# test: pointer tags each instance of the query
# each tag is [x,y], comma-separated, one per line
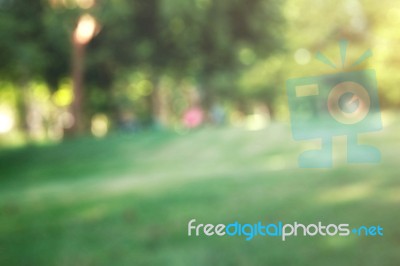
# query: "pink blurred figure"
[193,117]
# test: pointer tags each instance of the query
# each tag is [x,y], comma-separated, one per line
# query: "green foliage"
[33,43]
[197,38]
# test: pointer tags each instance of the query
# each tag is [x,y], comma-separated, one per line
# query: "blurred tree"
[34,42]
[217,39]
[22,57]
[21,37]
[210,41]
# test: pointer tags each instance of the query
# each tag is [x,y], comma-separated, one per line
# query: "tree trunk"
[77,81]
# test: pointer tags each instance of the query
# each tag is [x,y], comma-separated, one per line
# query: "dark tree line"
[209,41]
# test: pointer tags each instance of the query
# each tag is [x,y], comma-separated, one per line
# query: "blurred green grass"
[127,199]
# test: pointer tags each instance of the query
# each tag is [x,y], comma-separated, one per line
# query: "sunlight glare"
[6,122]
[85,30]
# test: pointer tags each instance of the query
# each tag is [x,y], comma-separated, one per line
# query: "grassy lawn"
[127,199]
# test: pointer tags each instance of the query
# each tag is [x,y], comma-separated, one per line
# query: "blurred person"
[218,114]
[193,117]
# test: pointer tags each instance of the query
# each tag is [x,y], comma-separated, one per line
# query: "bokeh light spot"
[6,121]
[85,4]
[85,30]
[100,124]
[302,56]
[63,96]
[145,87]
[246,56]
